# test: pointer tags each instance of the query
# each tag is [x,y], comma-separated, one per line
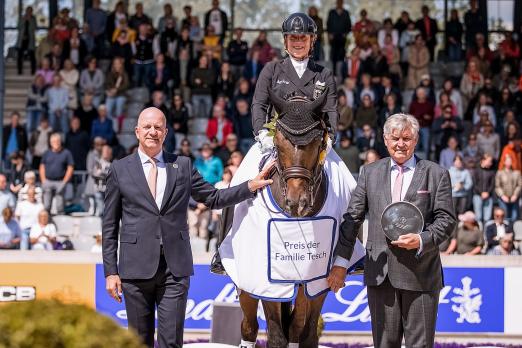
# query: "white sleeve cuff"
[341,262]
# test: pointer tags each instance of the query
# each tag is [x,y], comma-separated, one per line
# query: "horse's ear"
[278,103]
[317,105]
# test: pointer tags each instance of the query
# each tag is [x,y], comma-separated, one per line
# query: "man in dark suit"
[404,276]
[149,193]
[338,26]
[497,228]
[218,19]
[429,29]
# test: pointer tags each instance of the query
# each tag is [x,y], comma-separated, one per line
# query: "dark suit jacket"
[405,269]
[282,79]
[21,137]
[491,233]
[142,224]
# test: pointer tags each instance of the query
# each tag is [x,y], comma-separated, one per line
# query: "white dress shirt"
[161,182]
[299,66]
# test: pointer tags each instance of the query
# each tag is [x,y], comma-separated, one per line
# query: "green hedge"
[53,324]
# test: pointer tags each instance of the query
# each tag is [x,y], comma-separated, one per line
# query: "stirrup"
[216,266]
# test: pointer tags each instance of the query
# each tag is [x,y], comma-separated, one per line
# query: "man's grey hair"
[401,122]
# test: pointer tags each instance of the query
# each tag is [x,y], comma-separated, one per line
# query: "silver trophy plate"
[401,218]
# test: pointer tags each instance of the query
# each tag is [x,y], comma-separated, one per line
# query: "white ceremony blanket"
[268,254]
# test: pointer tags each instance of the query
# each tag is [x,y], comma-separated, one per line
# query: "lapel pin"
[174,165]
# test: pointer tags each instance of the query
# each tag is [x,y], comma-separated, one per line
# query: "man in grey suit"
[404,276]
[149,193]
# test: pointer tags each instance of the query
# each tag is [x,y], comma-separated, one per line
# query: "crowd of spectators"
[84,77]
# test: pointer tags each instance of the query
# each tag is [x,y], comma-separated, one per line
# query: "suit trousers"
[164,291]
[397,312]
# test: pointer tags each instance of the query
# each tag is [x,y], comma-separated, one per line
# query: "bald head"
[151,131]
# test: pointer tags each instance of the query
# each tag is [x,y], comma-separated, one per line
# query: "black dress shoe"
[216,266]
[357,269]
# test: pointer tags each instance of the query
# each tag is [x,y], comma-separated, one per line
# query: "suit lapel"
[172,171]
[308,74]
[418,177]
[137,174]
[387,181]
[291,73]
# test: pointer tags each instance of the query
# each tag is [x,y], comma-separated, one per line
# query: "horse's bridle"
[297,172]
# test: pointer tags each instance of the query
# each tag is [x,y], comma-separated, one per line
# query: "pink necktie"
[397,186]
[153,177]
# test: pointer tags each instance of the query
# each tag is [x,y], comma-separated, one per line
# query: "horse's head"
[300,141]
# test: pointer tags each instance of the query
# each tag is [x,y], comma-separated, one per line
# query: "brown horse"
[299,189]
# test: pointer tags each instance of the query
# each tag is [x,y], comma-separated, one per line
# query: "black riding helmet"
[299,23]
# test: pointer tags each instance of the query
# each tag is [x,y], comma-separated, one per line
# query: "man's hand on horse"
[261,180]
[336,278]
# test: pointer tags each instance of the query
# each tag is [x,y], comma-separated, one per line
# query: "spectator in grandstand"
[165,39]
[338,26]
[14,137]
[514,151]
[75,49]
[471,152]
[26,40]
[77,141]
[178,115]
[195,30]
[368,141]
[443,100]
[10,232]
[86,113]
[454,95]
[198,218]
[512,131]
[139,17]
[115,17]
[370,156]
[242,120]
[447,155]
[345,125]
[393,56]
[429,29]
[504,103]
[318,53]
[209,166]
[454,31]
[70,77]
[505,246]
[237,51]
[483,178]
[261,44]
[231,145]
[235,160]
[462,183]
[39,142]
[55,57]
[92,158]
[27,215]
[36,106]
[488,141]
[349,90]
[202,81]
[402,23]
[99,174]
[226,82]
[96,19]
[508,185]
[58,99]
[423,109]
[349,153]
[168,15]
[388,29]
[253,67]
[471,82]
[418,62]
[46,71]
[468,235]
[160,77]
[116,85]
[217,18]
[351,65]
[497,228]
[122,47]
[219,126]
[18,170]
[30,182]
[364,28]
[476,23]
[92,81]
[365,115]
[445,127]
[103,126]
[43,233]
[7,199]
[376,64]
[390,108]
[211,43]
[244,91]
[143,56]
[56,170]
[484,107]
[184,150]
[407,40]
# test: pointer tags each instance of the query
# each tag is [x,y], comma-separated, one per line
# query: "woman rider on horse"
[296,75]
